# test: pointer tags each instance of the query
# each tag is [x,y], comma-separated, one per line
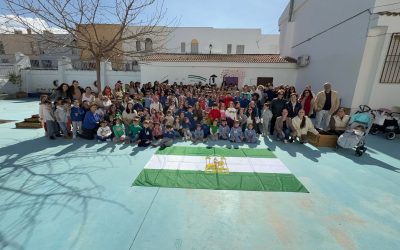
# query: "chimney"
[29,31]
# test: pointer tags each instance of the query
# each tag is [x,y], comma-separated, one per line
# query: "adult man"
[277,106]
[326,103]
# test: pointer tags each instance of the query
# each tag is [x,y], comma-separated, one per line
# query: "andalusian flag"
[218,168]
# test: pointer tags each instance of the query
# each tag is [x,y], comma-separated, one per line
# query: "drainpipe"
[291,6]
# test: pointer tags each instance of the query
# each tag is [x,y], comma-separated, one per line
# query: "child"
[157,131]
[236,134]
[62,118]
[169,118]
[145,135]
[214,113]
[134,130]
[206,128]
[177,127]
[186,129]
[119,130]
[242,117]
[266,119]
[104,132]
[223,131]
[42,105]
[49,119]
[169,137]
[198,134]
[250,134]
[77,114]
[214,130]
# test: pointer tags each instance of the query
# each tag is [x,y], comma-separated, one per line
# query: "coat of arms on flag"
[218,168]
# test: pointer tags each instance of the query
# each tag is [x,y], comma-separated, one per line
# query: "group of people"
[157,114]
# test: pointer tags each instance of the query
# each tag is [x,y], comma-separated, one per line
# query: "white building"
[355,44]
[203,40]
[215,68]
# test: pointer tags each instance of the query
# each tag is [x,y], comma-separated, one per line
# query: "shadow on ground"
[31,181]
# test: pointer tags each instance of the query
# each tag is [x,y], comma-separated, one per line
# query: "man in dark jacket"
[293,106]
[277,105]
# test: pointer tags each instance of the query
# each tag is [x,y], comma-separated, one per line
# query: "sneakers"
[108,140]
[291,140]
[285,141]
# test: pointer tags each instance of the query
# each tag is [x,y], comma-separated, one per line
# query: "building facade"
[351,44]
[42,55]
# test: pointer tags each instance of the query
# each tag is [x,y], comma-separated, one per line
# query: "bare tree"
[88,24]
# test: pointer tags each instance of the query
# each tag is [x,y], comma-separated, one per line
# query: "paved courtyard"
[66,194]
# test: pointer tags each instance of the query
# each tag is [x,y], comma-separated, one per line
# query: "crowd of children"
[158,114]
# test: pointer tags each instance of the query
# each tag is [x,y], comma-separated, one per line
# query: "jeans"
[76,126]
[285,134]
[63,127]
[103,138]
[51,128]
[322,119]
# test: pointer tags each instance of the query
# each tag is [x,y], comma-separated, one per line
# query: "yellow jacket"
[320,101]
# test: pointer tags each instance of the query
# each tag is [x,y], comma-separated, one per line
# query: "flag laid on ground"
[218,168]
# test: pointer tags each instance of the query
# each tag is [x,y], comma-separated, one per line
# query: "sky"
[263,14]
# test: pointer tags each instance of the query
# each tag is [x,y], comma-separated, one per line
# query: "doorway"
[264,80]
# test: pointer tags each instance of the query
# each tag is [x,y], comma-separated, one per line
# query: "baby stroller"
[357,130]
[386,122]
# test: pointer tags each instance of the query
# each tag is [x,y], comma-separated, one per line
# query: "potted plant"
[16,79]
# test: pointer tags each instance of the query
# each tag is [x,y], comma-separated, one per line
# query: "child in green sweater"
[214,130]
[119,131]
[134,130]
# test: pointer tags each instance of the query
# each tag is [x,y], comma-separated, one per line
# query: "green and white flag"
[218,168]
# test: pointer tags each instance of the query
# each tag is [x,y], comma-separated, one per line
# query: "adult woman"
[339,122]
[283,127]
[198,111]
[293,106]
[88,96]
[302,124]
[112,112]
[252,118]
[307,102]
[62,92]
[76,90]
[128,115]
[90,123]
[118,90]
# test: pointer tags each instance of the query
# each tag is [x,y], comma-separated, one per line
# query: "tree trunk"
[98,80]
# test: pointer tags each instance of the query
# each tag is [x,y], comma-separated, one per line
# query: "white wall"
[42,80]
[284,73]
[336,55]
[254,41]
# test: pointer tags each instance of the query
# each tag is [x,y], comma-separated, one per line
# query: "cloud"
[10,23]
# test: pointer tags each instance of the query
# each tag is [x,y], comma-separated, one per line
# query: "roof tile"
[235,58]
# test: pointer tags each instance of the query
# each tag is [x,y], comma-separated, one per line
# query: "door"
[231,81]
[264,80]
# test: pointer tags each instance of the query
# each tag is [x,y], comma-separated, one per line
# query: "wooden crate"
[322,140]
[28,125]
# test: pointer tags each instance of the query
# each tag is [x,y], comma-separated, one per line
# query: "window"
[138,46]
[240,49]
[47,64]
[183,47]
[391,68]
[229,49]
[194,46]
[148,44]
[135,66]
[35,64]
[2,51]
[5,60]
